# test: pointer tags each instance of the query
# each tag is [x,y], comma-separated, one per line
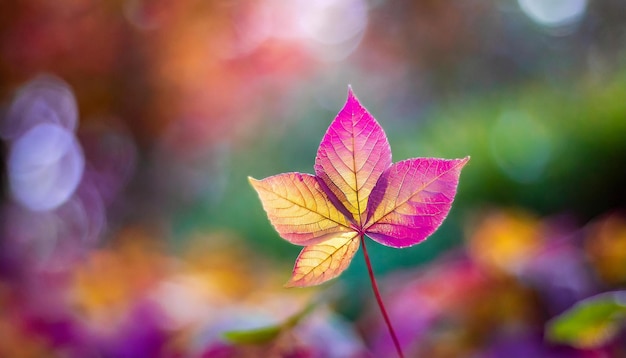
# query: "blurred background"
[129,128]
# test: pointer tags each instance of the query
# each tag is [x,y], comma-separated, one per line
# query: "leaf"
[590,323]
[253,336]
[352,155]
[356,190]
[268,333]
[319,263]
[299,209]
[411,200]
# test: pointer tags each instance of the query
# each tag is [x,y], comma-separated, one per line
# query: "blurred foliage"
[569,143]
[591,322]
[269,333]
[465,303]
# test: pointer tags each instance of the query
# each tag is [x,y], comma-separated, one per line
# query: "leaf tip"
[299,281]
[350,92]
[291,284]
[256,184]
[459,163]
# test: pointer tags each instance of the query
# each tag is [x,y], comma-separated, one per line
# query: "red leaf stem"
[379,299]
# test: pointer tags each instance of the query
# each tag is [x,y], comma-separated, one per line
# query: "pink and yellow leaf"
[353,154]
[319,263]
[299,209]
[411,200]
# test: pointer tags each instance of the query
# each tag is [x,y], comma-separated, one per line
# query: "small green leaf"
[590,323]
[266,334]
[254,336]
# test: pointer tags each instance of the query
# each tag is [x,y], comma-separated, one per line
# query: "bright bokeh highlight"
[45,166]
[554,13]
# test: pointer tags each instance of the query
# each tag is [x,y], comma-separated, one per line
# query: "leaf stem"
[379,299]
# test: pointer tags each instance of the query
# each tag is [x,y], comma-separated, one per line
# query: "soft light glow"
[45,166]
[45,99]
[332,22]
[331,30]
[554,13]
[334,28]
